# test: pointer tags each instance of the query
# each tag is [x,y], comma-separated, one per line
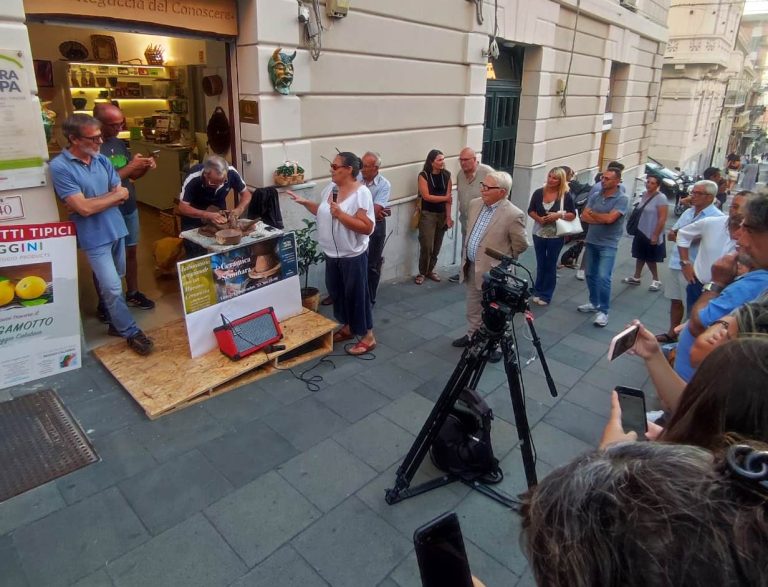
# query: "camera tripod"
[467,375]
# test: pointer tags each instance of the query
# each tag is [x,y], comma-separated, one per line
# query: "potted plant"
[289,173]
[308,254]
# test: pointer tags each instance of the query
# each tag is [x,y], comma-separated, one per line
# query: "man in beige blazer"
[496,223]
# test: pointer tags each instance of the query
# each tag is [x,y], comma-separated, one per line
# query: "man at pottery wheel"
[208,185]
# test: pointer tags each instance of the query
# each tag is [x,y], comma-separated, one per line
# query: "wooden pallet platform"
[169,379]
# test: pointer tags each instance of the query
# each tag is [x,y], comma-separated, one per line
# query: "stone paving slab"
[274,484]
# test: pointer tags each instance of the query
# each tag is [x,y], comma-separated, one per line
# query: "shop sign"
[11,208]
[223,287]
[21,160]
[204,16]
[39,312]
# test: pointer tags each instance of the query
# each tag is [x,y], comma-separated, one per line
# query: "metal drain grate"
[39,441]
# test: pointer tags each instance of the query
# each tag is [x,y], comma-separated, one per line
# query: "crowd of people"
[690,506]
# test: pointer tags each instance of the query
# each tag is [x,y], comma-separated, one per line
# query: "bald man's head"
[468,160]
[111,118]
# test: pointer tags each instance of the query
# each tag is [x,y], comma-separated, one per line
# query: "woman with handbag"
[435,195]
[648,247]
[549,204]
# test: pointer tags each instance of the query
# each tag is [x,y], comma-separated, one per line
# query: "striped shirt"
[478,230]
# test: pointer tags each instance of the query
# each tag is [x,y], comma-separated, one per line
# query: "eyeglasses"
[334,167]
[466,158]
[94,139]
[699,193]
[484,186]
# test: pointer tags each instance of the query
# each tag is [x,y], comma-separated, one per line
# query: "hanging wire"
[564,97]
[479,11]
[315,42]
[493,45]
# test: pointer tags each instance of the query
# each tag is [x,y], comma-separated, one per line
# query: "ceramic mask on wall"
[281,71]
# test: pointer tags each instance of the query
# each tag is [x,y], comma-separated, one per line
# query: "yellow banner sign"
[205,16]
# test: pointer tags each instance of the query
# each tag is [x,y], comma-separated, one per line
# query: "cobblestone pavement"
[273,485]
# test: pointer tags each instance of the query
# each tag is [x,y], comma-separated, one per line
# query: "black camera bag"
[463,445]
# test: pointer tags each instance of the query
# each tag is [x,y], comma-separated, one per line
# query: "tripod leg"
[512,369]
[472,361]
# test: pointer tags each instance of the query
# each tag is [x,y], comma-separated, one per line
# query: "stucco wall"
[402,77]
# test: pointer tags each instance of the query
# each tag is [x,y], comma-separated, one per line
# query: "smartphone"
[632,402]
[440,553]
[155,154]
[622,342]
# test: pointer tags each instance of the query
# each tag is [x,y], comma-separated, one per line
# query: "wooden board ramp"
[169,379]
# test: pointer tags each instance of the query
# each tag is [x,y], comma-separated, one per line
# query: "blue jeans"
[108,265]
[547,251]
[600,260]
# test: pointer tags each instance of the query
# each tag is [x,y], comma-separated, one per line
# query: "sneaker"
[538,301]
[655,286]
[139,300]
[631,281]
[601,319]
[454,278]
[102,314]
[461,342]
[587,308]
[580,274]
[140,343]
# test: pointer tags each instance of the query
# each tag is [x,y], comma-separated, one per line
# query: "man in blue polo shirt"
[605,214]
[90,187]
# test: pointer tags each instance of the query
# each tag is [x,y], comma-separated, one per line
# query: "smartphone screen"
[440,553]
[632,402]
[155,154]
[622,342]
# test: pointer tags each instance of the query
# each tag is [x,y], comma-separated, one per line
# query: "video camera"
[504,293]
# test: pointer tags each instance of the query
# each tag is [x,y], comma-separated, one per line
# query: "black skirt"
[643,250]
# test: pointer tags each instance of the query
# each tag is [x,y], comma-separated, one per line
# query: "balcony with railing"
[698,49]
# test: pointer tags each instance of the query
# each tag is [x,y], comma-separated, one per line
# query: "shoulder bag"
[416,216]
[634,218]
[567,227]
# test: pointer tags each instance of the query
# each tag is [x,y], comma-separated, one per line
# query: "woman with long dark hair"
[435,192]
[549,203]
[345,220]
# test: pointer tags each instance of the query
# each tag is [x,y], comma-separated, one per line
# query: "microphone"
[335,193]
[499,256]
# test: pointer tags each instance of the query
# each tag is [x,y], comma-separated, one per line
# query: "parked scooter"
[683,190]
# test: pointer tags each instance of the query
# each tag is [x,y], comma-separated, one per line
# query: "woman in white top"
[345,220]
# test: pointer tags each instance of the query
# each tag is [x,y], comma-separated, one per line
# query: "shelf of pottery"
[145,93]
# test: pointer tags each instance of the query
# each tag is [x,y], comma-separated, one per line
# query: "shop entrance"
[156,80]
[502,109]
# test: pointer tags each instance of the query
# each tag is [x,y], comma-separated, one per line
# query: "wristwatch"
[713,287]
[685,263]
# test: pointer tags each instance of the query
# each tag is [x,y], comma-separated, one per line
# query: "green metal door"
[502,108]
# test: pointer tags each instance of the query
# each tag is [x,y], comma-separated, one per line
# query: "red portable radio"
[244,336]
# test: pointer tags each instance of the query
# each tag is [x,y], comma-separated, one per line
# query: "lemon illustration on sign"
[6,292]
[30,287]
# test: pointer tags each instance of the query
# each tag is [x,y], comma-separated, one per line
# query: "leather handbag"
[568,227]
[416,216]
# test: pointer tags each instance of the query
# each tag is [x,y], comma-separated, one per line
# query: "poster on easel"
[222,287]
[39,310]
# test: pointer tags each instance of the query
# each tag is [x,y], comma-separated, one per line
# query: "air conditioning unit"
[629,4]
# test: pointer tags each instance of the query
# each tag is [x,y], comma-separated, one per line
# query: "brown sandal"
[419,280]
[434,276]
[341,336]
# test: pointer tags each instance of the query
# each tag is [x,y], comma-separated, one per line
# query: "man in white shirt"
[715,235]
[380,189]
